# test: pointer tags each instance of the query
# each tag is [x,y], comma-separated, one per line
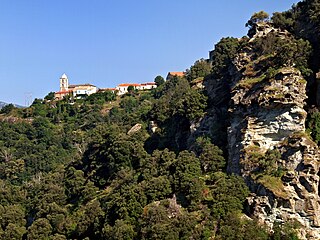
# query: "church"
[75,91]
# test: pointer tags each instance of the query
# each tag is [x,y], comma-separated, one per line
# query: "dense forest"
[132,167]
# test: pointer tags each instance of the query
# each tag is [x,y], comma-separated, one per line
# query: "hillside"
[230,150]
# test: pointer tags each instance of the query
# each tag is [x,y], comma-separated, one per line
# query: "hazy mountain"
[2,104]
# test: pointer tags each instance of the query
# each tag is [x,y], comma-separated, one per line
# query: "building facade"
[81,90]
[123,88]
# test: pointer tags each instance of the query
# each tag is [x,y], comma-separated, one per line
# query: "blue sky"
[107,42]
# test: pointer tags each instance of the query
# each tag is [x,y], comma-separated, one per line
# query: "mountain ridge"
[2,104]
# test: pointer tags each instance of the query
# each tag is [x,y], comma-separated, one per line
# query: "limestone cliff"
[264,112]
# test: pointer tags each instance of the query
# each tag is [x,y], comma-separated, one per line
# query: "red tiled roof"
[178,74]
[79,85]
[129,84]
[63,92]
[148,83]
[106,89]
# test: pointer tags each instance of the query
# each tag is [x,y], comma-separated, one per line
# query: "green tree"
[130,89]
[40,229]
[222,56]
[14,232]
[261,16]
[159,80]
[49,96]
[200,69]
[7,108]
[211,157]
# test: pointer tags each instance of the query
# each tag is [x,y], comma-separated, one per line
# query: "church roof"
[81,85]
[64,76]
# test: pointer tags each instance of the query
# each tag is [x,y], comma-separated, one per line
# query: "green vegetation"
[223,54]
[159,80]
[200,69]
[249,82]
[257,17]
[70,170]
[313,125]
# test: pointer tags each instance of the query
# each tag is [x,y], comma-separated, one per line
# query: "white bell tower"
[64,83]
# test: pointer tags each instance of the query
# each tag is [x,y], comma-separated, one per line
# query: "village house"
[174,74]
[114,90]
[80,90]
[123,88]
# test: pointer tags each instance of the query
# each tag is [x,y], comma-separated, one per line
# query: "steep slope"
[267,144]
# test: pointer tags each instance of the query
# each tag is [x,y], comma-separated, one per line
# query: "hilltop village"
[79,90]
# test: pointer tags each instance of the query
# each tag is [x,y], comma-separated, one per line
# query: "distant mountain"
[2,104]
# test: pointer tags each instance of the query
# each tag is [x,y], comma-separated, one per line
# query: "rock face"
[267,113]
[252,112]
[299,197]
[134,129]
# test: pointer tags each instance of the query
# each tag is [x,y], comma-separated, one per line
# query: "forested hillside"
[182,161]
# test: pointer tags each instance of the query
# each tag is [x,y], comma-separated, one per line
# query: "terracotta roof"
[148,83]
[106,89]
[129,84]
[178,74]
[80,85]
[63,92]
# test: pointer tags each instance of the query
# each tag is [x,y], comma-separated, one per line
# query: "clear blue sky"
[107,42]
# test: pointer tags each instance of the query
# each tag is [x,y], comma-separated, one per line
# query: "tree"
[200,69]
[261,16]
[222,56]
[159,80]
[130,89]
[40,229]
[50,96]
[211,157]
[7,108]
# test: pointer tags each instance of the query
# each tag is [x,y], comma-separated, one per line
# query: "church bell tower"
[64,83]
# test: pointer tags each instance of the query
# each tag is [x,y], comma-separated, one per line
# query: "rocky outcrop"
[256,108]
[298,200]
[267,112]
[135,129]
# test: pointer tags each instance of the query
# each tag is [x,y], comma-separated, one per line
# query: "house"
[75,91]
[147,86]
[82,89]
[175,74]
[123,88]
[79,90]
[113,90]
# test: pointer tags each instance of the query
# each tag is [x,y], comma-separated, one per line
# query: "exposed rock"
[153,126]
[261,29]
[11,119]
[251,112]
[268,113]
[300,159]
[135,129]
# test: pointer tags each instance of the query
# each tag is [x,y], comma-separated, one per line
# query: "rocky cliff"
[262,110]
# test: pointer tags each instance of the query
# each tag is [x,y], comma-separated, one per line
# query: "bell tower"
[64,83]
